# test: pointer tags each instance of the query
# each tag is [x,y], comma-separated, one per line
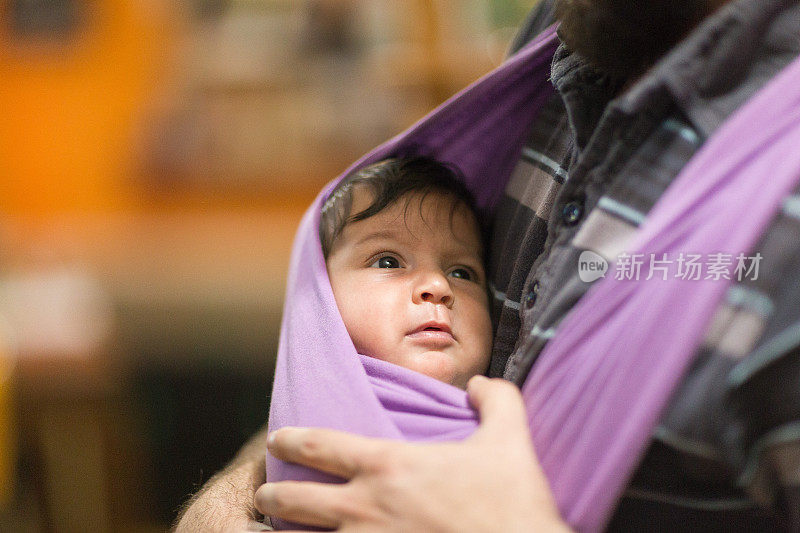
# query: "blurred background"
[155,158]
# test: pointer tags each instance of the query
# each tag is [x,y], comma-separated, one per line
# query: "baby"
[404,255]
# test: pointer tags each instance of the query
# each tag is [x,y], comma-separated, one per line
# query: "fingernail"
[257,526]
[474,380]
[264,497]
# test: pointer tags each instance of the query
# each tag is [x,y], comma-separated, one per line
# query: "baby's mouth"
[435,334]
[433,325]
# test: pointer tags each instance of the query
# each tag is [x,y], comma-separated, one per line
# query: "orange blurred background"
[155,158]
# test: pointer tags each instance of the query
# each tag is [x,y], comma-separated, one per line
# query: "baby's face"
[411,287]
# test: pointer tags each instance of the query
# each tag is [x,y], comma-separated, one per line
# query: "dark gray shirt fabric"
[726,453]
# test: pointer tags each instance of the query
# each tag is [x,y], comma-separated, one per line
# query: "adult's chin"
[624,38]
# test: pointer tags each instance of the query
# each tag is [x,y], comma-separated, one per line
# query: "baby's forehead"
[418,217]
[432,208]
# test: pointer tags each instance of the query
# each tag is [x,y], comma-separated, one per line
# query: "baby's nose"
[435,289]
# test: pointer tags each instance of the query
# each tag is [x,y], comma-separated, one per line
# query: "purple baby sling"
[597,390]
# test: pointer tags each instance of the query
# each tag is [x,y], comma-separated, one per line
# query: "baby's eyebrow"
[386,234]
[461,253]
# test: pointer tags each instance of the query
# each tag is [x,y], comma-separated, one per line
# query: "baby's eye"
[461,273]
[387,261]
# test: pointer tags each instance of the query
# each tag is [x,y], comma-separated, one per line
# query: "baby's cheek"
[366,337]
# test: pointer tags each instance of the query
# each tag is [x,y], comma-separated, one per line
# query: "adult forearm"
[225,502]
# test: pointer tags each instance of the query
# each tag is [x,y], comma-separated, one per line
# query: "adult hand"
[491,481]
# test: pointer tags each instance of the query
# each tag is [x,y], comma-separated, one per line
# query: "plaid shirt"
[726,454]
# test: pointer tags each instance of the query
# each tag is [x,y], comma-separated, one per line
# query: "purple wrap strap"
[596,392]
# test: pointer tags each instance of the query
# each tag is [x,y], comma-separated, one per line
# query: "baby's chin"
[438,365]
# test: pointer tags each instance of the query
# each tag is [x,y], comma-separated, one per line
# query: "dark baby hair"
[388,181]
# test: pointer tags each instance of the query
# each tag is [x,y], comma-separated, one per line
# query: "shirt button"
[530,296]
[572,212]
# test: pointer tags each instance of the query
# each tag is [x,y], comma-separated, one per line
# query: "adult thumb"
[500,408]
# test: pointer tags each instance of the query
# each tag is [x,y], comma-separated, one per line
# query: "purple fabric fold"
[596,392]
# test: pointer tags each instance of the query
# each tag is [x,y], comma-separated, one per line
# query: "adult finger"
[335,452]
[250,525]
[312,504]
[500,407]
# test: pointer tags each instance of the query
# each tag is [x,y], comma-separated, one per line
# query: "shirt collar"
[708,75]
